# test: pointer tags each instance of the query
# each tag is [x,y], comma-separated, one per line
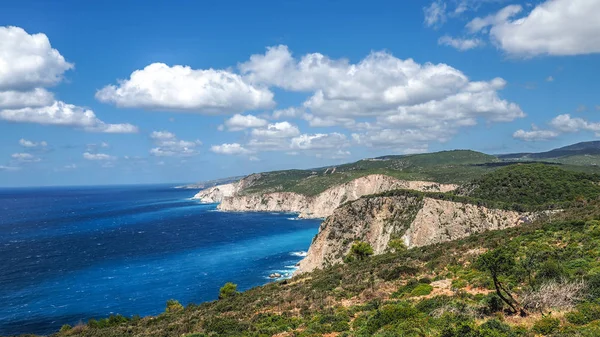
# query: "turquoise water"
[71,254]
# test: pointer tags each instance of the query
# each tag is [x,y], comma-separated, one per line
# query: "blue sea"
[71,254]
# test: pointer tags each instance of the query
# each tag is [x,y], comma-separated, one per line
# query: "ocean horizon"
[74,253]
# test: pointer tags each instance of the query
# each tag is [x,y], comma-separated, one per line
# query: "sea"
[70,254]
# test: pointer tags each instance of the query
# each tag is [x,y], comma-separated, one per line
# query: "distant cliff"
[321,205]
[411,219]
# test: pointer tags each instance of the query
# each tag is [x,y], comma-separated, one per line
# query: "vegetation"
[228,290]
[442,290]
[534,184]
[361,250]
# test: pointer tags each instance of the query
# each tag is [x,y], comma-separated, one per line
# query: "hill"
[456,166]
[534,184]
[584,153]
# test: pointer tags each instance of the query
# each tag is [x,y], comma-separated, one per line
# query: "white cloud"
[240,122]
[460,44]
[167,145]
[291,112]
[277,130]
[559,124]
[566,123]
[554,27]
[25,158]
[60,113]
[549,79]
[319,141]
[435,14]
[379,90]
[70,167]
[535,135]
[98,156]
[181,88]
[30,144]
[500,17]
[28,61]
[37,97]
[9,168]
[230,149]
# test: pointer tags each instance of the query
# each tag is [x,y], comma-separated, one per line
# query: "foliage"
[546,325]
[361,250]
[174,306]
[534,184]
[228,290]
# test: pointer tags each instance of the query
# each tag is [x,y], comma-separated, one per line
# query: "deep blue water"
[71,254]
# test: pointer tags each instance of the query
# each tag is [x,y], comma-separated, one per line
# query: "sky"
[131,92]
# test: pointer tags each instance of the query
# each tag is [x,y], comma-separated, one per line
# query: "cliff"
[416,221]
[323,204]
[217,193]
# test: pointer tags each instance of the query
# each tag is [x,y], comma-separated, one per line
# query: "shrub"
[173,306]
[557,295]
[65,328]
[546,325]
[228,290]
[584,314]
[421,290]
[361,250]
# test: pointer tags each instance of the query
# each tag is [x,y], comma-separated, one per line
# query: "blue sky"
[125,92]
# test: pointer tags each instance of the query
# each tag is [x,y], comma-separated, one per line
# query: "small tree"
[174,306]
[361,250]
[228,290]
[500,263]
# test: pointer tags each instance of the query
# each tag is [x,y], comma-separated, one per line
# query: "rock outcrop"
[411,219]
[217,193]
[323,204]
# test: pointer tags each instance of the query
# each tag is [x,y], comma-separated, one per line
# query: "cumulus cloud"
[33,62]
[28,64]
[181,88]
[60,113]
[380,92]
[460,44]
[230,149]
[559,125]
[566,123]
[37,97]
[554,27]
[24,158]
[167,145]
[319,141]
[535,135]
[291,112]
[277,130]
[98,156]
[31,144]
[435,14]
[240,122]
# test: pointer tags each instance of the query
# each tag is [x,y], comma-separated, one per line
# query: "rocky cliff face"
[323,204]
[414,220]
[217,193]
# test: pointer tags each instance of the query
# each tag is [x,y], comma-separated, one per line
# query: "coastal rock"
[275,275]
[416,221]
[217,193]
[323,204]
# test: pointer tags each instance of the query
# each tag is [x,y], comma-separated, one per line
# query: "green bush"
[585,313]
[174,306]
[228,290]
[65,328]
[361,250]
[421,290]
[546,325]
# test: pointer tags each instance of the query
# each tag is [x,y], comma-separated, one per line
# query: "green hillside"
[550,269]
[534,184]
[445,167]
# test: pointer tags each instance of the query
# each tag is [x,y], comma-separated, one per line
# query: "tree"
[361,250]
[500,263]
[228,290]
[174,306]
